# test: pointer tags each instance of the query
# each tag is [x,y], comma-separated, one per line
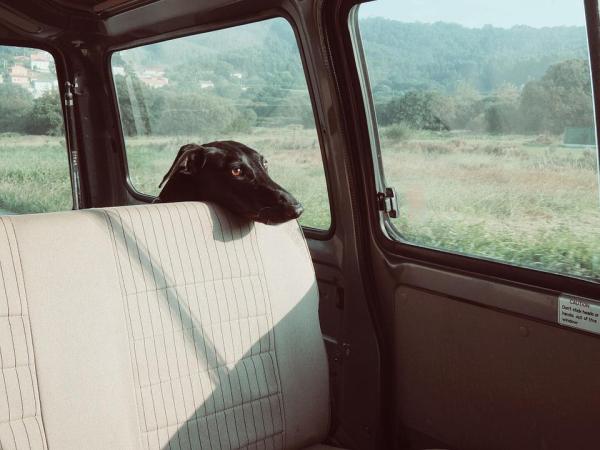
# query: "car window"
[245,84]
[34,169]
[486,126]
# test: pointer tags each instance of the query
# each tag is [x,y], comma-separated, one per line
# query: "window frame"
[310,232]
[62,71]
[390,240]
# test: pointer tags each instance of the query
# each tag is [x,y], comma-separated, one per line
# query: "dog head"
[232,175]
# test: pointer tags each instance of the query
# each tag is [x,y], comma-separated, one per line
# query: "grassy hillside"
[404,56]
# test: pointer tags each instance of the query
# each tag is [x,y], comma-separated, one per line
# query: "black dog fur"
[232,175]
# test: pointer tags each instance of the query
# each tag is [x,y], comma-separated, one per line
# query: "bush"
[15,107]
[192,113]
[46,115]
[421,110]
[398,132]
[243,122]
[501,118]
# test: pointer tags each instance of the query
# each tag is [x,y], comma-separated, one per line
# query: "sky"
[477,13]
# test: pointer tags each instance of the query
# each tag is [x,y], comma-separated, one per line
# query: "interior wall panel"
[477,378]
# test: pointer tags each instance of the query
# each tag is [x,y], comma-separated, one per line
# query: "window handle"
[388,202]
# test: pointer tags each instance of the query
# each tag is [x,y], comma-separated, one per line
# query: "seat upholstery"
[20,418]
[158,326]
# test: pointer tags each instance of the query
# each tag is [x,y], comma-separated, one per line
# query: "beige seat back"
[159,326]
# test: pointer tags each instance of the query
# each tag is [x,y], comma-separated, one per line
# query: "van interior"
[440,291]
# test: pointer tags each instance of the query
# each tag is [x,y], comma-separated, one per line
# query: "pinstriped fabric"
[200,328]
[20,418]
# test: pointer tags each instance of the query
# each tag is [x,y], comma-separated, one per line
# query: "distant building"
[40,87]
[153,72]
[40,62]
[118,70]
[153,77]
[154,82]
[206,84]
[19,75]
[237,75]
[579,137]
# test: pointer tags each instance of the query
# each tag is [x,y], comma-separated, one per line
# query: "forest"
[423,76]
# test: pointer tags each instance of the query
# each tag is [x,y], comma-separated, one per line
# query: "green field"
[34,174]
[524,200]
[521,199]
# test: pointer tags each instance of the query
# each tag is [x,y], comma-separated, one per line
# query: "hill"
[406,56]
[401,56]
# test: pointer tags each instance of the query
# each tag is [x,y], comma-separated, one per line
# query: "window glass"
[244,84]
[486,125]
[34,170]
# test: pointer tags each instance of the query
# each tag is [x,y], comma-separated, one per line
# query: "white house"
[40,62]
[154,77]
[154,82]
[19,75]
[40,87]
[118,70]
[206,84]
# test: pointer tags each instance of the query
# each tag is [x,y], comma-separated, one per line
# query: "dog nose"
[298,209]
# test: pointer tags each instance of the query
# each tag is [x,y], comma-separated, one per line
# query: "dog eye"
[236,171]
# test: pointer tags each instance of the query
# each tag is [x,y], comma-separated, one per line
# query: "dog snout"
[294,211]
[298,209]
[284,198]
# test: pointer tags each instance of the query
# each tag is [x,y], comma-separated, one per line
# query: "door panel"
[470,315]
[331,318]
[476,377]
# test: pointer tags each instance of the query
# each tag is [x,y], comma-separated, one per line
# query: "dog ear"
[189,160]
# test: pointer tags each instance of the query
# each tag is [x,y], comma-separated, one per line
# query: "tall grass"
[524,200]
[34,174]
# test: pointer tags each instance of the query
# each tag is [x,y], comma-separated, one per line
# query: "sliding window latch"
[388,202]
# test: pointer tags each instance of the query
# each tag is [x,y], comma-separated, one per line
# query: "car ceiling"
[117,22]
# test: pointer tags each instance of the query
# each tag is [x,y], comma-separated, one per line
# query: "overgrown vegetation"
[519,199]
[471,122]
[561,98]
[34,174]
[21,113]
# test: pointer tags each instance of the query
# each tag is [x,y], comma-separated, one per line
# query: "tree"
[46,116]
[192,113]
[467,105]
[501,117]
[419,110]
[15,106]
[562,98]
[502,110]
[243,121]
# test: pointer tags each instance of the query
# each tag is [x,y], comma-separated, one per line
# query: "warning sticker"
[579,313]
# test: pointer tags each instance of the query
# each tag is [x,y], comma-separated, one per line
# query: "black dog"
[232,175]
